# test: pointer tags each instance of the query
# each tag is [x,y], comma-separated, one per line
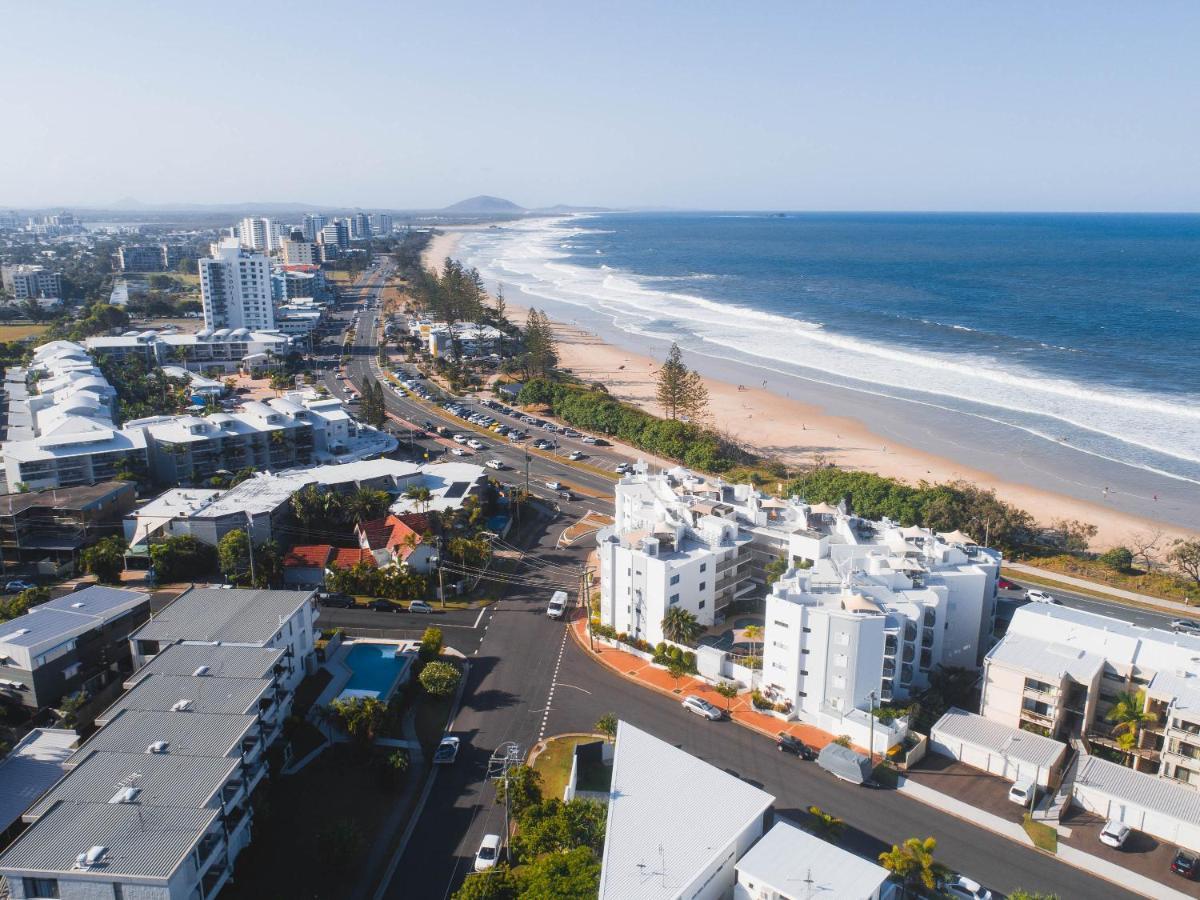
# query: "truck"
[557,606]
[846,764]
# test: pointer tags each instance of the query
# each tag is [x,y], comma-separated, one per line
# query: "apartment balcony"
[215,879]
[1041,693]
[252,751]
[233,795]
[1037,718]
[210,850]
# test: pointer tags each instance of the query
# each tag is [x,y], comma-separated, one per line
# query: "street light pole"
[871,745]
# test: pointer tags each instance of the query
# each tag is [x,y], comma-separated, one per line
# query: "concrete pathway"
[1098,587]
[1094,865]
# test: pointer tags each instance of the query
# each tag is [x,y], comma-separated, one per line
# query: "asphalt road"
[517,654]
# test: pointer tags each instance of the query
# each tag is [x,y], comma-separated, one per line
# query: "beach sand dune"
[797,434]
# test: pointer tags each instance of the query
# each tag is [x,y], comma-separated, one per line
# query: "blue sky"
[1003,106]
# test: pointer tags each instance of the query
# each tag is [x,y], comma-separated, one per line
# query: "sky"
[1088,106]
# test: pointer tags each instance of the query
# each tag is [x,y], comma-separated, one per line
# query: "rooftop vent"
[200,672]
[126,795]
[93,857]
[78,605]
[182,706]
[158,747]
[15,634]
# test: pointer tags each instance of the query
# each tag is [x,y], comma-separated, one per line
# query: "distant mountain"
[483,205]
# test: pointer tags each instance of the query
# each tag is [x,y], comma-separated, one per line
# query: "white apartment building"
[381,224]
[1059,671]
[28,282]
[313,223]
[262,234]
[299,252]
[223,348]
[235,287]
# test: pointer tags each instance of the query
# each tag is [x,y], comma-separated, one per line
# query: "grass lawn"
[554,763]
[1043,836]
[19,332]
[313,830]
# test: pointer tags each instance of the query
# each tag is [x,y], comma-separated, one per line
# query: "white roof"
[1046,659]
[791,862]
[663,797]
[1015,744]
[1161,795]
[31,769]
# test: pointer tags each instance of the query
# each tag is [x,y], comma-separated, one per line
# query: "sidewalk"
[741,710]
[1094,865]
[1117,594]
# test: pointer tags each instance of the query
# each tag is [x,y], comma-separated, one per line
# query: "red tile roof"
[418,522]
[391,534]
[346,557]
[313,556]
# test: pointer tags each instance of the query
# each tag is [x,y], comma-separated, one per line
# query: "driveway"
[1142,853]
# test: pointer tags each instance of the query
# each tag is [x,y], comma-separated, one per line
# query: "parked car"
[1020,791]
[847,765]
[474,444]
[1005,585]
[458,451]
[447,750]
[1115,833]
[419,606]
[494,464]
[1185,863]
[1034,596]
[588,439]
[17,585]
[702,707]
[488,853]
[622,468]
[554,485]
[960,886]
[379,604]
[1186,626]
[787,743]
[460,439]
[338,601]
[575,454]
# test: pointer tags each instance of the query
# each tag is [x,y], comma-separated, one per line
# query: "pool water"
[374,667]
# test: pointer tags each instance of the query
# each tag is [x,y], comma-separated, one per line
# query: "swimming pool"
[374,667]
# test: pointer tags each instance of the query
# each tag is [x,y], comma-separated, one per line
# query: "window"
[806,630]
[703,585]
[71,671]
[674,599]
[703,567]
[41,887]
[701,604]
[674,579]
[784,624]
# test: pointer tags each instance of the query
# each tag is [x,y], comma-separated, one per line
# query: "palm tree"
[366,504]
[418,494]
[680,626]
[913,864]
[754,634]
[827,825]
[1130,716]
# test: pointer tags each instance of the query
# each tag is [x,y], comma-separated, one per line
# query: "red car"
[1185,864]
[1005,585]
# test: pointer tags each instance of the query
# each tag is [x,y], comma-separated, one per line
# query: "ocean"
[1081,331]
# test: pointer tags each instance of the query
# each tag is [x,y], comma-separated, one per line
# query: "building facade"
[235,287]
[30,282]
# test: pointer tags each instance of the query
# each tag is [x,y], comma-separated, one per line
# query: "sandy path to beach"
[796,433]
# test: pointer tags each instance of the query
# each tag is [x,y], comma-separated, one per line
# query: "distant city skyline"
[1078,107]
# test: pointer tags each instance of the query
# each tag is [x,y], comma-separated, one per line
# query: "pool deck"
[342,674]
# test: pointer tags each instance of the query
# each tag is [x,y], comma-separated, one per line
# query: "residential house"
[392,542]
[791,864]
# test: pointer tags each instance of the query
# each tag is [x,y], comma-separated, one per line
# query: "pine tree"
[541,355]
[671,390]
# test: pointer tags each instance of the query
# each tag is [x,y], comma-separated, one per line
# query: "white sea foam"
[528,255]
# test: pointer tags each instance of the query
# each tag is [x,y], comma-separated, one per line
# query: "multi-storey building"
[297,251]
[225,349]
[140,259]
[29,282]
[235,286]
[336,234]
[360,227]
[1059,671]
[381,224]
[256,233]
[57,524]
[313,223]
[77,642]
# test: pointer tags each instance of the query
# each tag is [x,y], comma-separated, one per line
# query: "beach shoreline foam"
[796,432]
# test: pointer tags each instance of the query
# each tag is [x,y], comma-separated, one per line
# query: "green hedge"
[597,412]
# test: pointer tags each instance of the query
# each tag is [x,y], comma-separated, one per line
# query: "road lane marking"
[553,683]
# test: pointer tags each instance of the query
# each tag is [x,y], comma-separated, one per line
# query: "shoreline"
[766,422]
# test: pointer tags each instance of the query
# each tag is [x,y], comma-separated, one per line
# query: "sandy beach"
[797,433]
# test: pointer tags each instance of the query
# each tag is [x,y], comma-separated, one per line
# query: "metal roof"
[1161,795]
[164,780]
[142,841]
[231,616]
[186,733]
[786,857]
[50,623]
[662,797]
[30,768]
[228,696]
[1012,743]
[1046,659]
[222,662]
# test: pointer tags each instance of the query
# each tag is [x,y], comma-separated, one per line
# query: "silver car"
[702,707]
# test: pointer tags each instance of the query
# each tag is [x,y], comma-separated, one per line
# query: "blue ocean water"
[1083,329]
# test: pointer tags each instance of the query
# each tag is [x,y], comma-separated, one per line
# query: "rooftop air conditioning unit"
[182,706]
[126,795]
[158,747]
[200,672]
[93,857]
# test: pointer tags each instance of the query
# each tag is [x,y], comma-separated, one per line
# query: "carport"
[1158,806]
[1011,753]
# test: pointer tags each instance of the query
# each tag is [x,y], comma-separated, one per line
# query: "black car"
[1185,863]
[381,605]
[786,743]
[340,601]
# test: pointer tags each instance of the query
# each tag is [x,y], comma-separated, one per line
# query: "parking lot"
[1142,853]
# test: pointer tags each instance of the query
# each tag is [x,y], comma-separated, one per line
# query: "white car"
[960,886]
[575,454]
[701,707]
[554,485]
[1020,791]
[474,444]
[458,451]
[460,439]
[488,853]
[1115,833]
[1039,597]
[447,750]
[622,468]
[494,464]
[589,440]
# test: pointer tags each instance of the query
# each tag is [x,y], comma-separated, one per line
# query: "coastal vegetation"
[680,391]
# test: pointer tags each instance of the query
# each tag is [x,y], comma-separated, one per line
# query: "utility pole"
[585,599]
[441,587]
[503,760]
[250,543]
[527,472]
[871,745]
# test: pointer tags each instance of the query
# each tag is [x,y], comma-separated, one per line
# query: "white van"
[558,605]
[1021,791]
